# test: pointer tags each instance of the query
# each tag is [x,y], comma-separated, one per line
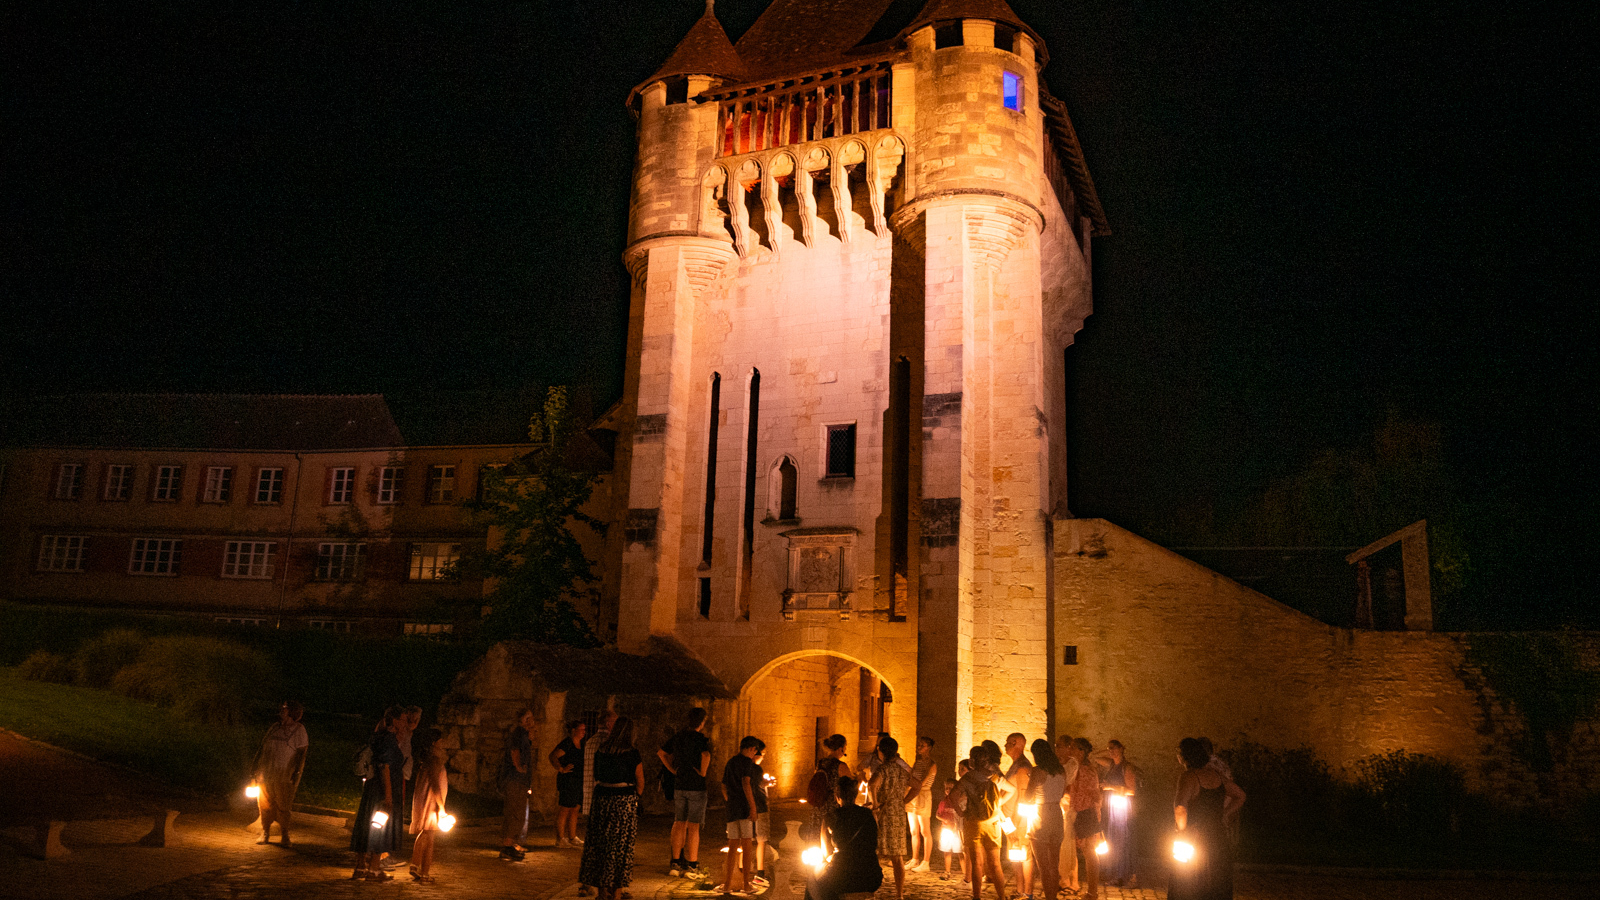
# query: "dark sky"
[1321,212]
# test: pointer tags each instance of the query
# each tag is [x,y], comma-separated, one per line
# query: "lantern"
[1016,854]
[1182,851]
[1102,848]
[1119,802]
[253,791]
[380,819]
[1029,812]
[949,841]
[446,822]
[814,857]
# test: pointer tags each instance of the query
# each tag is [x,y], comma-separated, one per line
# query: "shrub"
[203,679]
[1292,792]
[102,657]
[43,665]
[1411,793]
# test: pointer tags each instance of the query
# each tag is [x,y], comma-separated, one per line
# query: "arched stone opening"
[796,701]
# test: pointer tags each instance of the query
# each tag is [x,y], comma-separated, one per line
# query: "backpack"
[819,791]
[361,763]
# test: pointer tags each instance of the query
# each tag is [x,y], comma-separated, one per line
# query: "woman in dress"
[1085,793]
[853,834]
[278,768]
[920,812]
[377,828]
[1118,781]
[891,788]
[1206,803]
[1049,778]
[607,863]
[427,802]
[981,794]
[567,759]
[516,778]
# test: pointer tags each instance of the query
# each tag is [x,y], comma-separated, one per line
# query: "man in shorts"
[687,755]
[739,777]
[758,784]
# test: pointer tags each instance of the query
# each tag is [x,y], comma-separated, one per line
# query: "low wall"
[1166,648]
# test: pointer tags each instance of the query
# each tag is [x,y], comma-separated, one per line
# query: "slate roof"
[705,50]
[946,10]
[275,422]
[794,36]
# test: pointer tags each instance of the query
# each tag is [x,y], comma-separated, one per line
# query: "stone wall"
[1166,648]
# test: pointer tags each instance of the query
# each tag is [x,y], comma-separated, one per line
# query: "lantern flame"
[1119,802]
[380,819]
[1182,851]
[253,791]
[447,822]
[949,841]
[1102,848]
[1016,854]
[814,857]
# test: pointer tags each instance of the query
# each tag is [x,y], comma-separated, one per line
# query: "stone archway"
[796,700]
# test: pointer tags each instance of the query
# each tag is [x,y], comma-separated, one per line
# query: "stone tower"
[859,249]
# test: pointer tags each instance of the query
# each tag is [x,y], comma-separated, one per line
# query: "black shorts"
[1085,823]
[569,791]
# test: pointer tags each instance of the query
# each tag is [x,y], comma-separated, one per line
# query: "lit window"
[442,484]
[169,484]
[341,485]
[69,481]
[269,486]
[248,559]
[391,482]
[219,484]
[119,482]
[341,562]
[841,451]
[1011,90]
[155,556]
[340,625]
[61,553]
[226,620]
[434,562]
[432,630]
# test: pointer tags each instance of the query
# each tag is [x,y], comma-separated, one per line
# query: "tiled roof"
[705,50]
[803,35]
[947,10]
[281,422]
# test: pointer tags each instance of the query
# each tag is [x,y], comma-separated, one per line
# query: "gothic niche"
[820,570]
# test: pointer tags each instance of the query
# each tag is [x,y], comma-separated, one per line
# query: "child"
[427,804]
[950,828]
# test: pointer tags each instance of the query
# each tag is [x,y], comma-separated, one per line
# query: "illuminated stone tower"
[859,249]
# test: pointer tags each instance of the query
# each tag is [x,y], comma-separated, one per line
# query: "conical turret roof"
[705,50]
[947,10]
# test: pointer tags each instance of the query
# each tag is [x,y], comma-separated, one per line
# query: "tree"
[534,560]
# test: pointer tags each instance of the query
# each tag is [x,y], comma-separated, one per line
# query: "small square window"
[1011,90]
[341,485]
[69,481]
[61,553]
[269,486]
[841,451]
[442,484]
[949,34]
[119,483]
[219,485]
[391,484]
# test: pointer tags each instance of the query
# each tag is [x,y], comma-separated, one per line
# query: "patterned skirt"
[608,841]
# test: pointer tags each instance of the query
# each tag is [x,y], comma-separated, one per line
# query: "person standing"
[1118,781]
[687,755]
[920,810]
[1018,773]
[278,769]
[516,780]
[590,747]
[1086,814]
[607,863]
[377,827]
[890,788]
[1049,779]
[1205,805]
[738,787]
[567,760]
[428,793]
[1069,845]
[982,794]
[763,821]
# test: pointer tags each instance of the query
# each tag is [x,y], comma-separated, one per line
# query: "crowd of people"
[1058,816]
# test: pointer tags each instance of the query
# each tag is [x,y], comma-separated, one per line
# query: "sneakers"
[575,841]
[675,870]
[512,854]
[693,870]
[759,883]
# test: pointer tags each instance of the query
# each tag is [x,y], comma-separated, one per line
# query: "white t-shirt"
[282,742]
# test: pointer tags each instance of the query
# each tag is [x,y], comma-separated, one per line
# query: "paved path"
[215,858]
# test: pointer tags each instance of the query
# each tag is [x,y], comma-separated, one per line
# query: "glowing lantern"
[1182,851]
[1030,813]
[1016,854]
[802,799]
[252,792]
[1102,848]
[814,857]
[1007,826]
[380,819]
[1119,802]
[949,841]
[447,822]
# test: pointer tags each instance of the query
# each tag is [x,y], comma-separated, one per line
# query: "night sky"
[1324,214]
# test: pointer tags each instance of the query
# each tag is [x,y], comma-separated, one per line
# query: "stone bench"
[47,833]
